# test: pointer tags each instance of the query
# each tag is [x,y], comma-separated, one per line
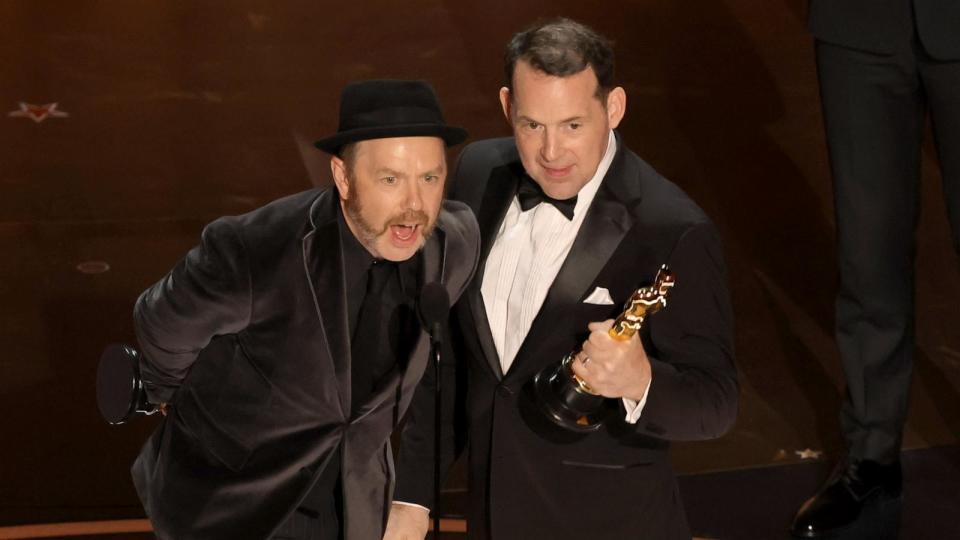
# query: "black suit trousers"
[874,109]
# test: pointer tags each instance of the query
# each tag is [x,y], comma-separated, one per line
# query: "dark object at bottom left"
[120,392]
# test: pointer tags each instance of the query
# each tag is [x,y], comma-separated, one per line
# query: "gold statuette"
[642,303]
[566,398]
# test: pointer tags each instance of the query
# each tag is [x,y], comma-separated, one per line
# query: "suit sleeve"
[205,295]
[694,391]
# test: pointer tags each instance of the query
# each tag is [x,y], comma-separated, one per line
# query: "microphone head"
[434,304]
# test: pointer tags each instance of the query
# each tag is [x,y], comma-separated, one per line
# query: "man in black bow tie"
[287,343]
[572,223]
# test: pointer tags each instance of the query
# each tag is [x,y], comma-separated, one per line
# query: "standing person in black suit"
[883,66]
[552,276]
[287,344]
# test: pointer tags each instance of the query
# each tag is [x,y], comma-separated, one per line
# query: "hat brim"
[451,135]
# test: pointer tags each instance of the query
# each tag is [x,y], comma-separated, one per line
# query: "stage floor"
[168,115]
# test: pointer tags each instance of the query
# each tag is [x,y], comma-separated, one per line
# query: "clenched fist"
[613,368]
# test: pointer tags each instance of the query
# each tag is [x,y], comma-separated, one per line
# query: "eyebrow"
[387,171]
[436,169]
[526,118]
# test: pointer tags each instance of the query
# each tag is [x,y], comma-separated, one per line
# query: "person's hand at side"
[407,522]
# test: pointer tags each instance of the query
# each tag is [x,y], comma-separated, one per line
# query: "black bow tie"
[530,195]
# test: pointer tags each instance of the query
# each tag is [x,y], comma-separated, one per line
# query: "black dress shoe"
[839,502]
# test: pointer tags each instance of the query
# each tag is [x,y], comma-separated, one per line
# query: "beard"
[369,231]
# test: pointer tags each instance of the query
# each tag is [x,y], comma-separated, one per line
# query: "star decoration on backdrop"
[38,113]
[807,453]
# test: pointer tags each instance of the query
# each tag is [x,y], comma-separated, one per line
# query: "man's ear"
[505,103]
[339,171]
[616,106]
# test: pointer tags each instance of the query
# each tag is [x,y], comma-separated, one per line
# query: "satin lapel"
[501,188]
[323,264]
[434,270]
[607,221]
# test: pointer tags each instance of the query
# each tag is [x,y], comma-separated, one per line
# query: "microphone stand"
[435,349]
[434,308]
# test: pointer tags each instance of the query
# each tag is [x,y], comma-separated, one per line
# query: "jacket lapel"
[501,188]
[434,269]
[323,264]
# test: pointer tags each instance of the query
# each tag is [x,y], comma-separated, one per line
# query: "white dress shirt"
[524,260]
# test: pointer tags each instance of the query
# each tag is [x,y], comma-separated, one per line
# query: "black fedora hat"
[379,109]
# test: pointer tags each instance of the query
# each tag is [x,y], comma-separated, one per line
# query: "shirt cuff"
[415,505]
[634,408]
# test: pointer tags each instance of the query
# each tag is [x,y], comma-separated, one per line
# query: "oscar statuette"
[566,398]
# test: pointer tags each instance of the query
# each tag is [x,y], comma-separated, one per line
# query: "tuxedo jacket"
[888,26]
[530,479]
[248,338]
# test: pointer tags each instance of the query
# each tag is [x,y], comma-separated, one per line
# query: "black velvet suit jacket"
[885,26]
[248,338]
[529,479]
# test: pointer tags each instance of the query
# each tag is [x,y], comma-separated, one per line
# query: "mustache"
[416,217]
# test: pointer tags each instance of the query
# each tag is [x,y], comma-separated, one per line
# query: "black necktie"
[370,358]
[530,194]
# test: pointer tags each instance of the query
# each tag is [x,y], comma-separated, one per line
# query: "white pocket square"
[600,297]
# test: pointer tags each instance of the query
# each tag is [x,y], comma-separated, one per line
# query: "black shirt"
[356,262]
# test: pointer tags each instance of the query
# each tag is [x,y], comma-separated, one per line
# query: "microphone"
[434,307]
[120,392]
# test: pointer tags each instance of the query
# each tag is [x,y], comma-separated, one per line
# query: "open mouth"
[404,233]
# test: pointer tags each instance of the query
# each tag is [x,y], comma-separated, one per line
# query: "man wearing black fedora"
[287,344]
